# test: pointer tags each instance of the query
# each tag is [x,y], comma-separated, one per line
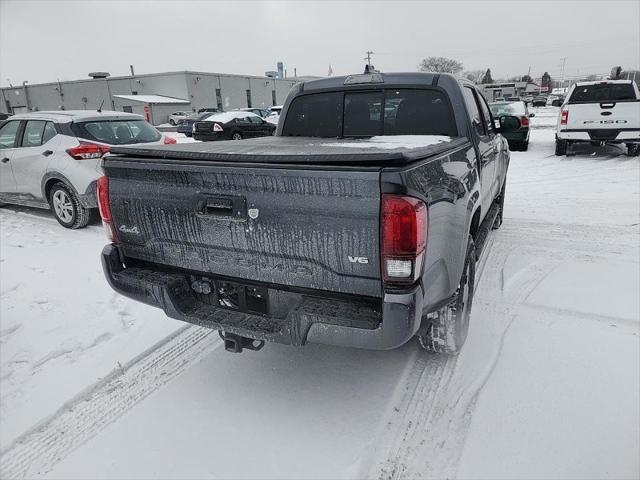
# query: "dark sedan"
[539,101]
[234,125]
[518,139]
[186,126]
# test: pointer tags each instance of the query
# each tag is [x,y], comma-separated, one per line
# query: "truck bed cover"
[302,150]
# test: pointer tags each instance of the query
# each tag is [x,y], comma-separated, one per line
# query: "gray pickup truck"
[359,224]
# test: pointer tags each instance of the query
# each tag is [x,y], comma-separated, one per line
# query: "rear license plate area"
[231,295]
[603,134]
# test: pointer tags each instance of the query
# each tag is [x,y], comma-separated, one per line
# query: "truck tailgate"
[295,227]
[605,115]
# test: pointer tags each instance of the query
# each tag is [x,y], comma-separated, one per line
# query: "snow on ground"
[546,386]
[61,326]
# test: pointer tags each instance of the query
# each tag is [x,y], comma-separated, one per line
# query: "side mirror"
[508,123]
[531,115]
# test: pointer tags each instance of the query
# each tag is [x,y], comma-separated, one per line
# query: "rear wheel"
[445,331]
[561,147]
[67,208]
[633,149]
[525,146]
[236,136]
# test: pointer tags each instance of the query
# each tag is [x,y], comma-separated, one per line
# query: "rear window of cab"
[603,92]
[370,113]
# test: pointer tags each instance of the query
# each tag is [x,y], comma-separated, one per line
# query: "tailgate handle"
[607,105]
[222,206]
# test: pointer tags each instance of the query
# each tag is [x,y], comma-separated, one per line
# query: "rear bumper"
[209,137]
[517,136]
[597,135]
[348,323]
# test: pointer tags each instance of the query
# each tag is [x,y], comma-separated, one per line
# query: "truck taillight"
[524,122]
[87,150]
[564,117]
[217,127]
[404,223]
[102,192]
[169,140]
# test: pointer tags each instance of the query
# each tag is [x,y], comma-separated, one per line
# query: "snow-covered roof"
[152,99]
[224,117]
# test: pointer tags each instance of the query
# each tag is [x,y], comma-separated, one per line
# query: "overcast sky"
[48,40]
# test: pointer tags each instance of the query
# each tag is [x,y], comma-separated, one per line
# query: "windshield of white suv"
[117,132]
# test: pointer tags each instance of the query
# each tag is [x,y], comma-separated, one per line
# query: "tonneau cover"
[302,150]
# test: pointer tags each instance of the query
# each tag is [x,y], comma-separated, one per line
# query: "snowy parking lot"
[93,385]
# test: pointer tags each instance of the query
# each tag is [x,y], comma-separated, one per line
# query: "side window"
[487,115]
[8,134]
[49,132]
[33,133]
[474,112]
[256,120]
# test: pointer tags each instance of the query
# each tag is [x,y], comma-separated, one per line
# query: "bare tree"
[440,64]
[474,75]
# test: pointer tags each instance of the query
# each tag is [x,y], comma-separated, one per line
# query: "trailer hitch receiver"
[235,343]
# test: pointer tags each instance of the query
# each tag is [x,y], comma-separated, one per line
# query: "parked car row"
[176,118]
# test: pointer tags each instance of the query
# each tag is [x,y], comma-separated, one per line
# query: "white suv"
[52,159]
[600,112]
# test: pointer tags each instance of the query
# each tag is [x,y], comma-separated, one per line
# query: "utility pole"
[564,60]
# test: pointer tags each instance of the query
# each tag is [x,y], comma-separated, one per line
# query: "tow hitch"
[235,343]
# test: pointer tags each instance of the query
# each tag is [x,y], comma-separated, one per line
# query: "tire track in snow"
[434,414]
[37,451]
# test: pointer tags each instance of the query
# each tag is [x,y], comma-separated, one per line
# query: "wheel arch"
[50,179]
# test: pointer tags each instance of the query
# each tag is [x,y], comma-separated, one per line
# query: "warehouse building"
[159,94]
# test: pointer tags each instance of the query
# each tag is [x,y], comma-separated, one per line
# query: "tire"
[445,331]
[172,121]
[561,147]
[513,145]
[67,208]
[525,146]
[236,136]
[633,149]
[500,201]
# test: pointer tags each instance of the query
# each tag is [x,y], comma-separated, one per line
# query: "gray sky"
[48,40]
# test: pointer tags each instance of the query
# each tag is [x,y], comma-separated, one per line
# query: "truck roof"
[403,78]
[596,82]
[302,150]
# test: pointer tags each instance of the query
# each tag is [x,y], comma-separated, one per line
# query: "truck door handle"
[46,153]
[5,160]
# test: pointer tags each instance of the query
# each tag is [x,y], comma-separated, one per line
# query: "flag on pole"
[330,71]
